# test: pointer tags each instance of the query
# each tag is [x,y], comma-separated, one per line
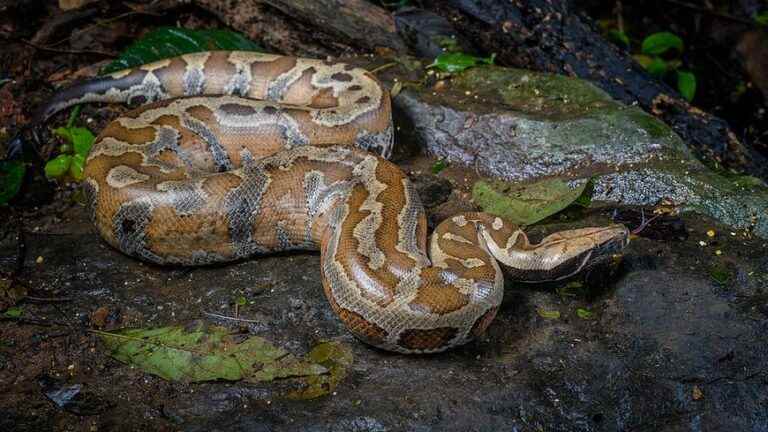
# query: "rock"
[522,126]
[428,34]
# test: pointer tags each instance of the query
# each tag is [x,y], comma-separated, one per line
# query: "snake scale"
[233,154]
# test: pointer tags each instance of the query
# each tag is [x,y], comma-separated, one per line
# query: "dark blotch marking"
[269,110]
[355,87]
[363,100]
[342,76]
[138,100]
[427,340]
[130,230]
[237,109]
[129,226]
[483,322]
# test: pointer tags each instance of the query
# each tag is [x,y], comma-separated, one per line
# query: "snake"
[231,154]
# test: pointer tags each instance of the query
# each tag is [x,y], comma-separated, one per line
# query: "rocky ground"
[670,338]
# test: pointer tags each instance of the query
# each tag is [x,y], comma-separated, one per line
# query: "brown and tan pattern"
[243,153]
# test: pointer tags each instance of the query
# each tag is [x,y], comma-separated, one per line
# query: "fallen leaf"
[99,317]
[548,314]
[526,204]
[697,393]
[204,353]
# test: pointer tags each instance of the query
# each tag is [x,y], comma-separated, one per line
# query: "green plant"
[72,154]
[456,62]
[761,18]
[11,177]
[660,56]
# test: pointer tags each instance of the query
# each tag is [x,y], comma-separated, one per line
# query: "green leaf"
[58,166]
[457,62]
[761,18]
[658,67]
[168,42]
[548,314]
[439,166]
[63,132]
[241,301]
[525,204]
[82,140]
[654,65]
[619,36]
[686,84]
[13,312]
[76,167]
[659,43]
[336,358]
[202,353]
[584,313]
[585,199]
[11,177]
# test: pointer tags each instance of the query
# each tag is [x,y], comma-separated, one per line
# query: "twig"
[65,51]
[643,222]
[50,27]
[382,67]
[229,318]
[48,299]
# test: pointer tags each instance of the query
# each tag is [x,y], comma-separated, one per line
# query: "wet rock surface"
[674,340]
[523,126]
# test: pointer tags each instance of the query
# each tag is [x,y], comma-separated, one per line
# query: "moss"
[655,127]
[721,274]
[535,93]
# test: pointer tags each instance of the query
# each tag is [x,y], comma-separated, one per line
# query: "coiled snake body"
[243,153]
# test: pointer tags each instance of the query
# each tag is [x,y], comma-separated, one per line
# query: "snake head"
[562,254]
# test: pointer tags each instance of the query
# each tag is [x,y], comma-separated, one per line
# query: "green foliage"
[58,166]
[457,62]
[13,312]
[168,42]
[721,275]
[585,314]
[78,142]
[619,36]
[761,18]
[11,177]
[439,166]
[527,204]
[659,43]
[686,84]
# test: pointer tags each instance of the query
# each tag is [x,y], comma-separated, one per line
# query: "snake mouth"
[566,253]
